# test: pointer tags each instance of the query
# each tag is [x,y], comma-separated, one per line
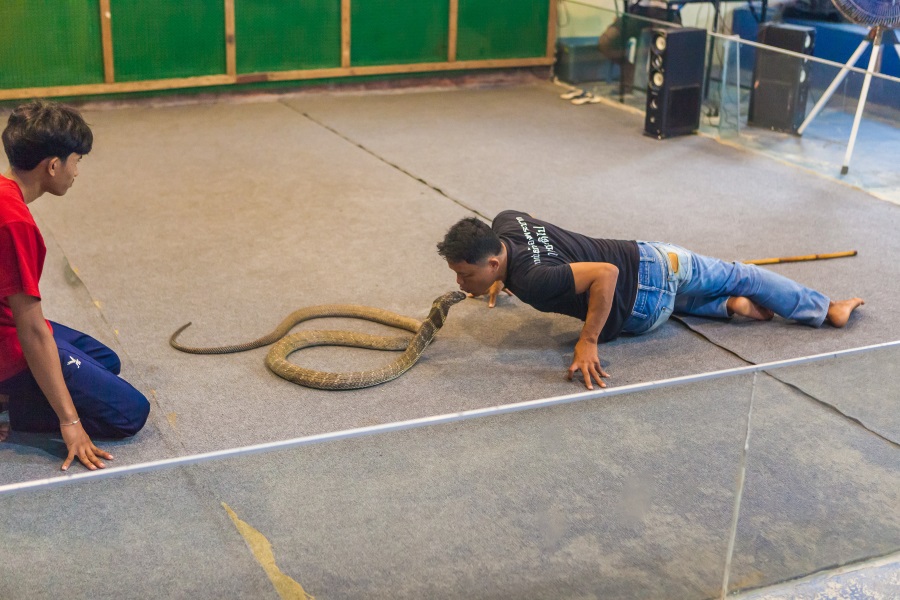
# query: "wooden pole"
[345,34]
[807,257]
[551,30]
[454,25]
[230,46]
[109,72]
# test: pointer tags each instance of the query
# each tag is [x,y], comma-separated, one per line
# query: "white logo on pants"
[74,361]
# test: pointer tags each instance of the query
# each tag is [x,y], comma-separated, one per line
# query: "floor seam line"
[389,163]
[833,408]
[824,570]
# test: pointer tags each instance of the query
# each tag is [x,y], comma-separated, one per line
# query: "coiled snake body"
[285,345]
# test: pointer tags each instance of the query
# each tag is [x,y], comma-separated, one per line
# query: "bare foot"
[839,312]
[739,305]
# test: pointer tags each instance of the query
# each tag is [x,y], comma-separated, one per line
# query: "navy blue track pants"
[108,406]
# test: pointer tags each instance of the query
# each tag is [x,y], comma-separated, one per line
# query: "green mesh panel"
[162,40]
[388,32]
[488,29]
[49,42]
[283,35]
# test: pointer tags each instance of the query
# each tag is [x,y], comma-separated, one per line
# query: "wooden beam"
[551,29]
[230,47]
[454,25]
[299,75]
[395,69]
[92,89]
[345,33]
[109,71]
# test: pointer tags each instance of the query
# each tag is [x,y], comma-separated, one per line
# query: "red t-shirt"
[22,252]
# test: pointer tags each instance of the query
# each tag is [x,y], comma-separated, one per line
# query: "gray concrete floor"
[231,214]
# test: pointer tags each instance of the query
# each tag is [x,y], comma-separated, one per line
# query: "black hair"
[470,240]
[41,129]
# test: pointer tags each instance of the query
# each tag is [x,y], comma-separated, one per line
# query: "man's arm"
[599,279]
[42,356]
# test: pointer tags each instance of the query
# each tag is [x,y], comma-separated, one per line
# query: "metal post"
[873,61]
[834,85]
[737,82]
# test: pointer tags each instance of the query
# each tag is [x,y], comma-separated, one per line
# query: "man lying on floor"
[618,286]
[52,377]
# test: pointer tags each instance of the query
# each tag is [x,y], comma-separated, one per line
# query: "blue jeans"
[107,405]
[673,279]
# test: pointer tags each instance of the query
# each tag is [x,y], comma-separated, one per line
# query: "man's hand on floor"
[587,360]
[81,447]
[493,292]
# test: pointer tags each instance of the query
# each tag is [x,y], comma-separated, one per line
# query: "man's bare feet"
[739,305]
[839,312]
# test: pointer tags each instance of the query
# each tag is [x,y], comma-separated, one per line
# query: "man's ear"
[53,165]
[493,262]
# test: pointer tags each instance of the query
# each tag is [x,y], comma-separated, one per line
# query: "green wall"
[58,42]
[49,42]
[280,35]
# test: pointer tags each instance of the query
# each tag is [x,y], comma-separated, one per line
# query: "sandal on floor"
[572,94]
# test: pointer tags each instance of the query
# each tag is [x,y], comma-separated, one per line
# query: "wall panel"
[161,40]
[49,42]
[282,35]
[491,29]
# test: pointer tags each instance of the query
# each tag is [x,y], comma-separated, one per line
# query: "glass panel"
[626,495]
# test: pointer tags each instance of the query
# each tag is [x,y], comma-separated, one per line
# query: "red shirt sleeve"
[21,259]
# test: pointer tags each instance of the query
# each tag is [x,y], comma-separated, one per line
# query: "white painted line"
[39,484]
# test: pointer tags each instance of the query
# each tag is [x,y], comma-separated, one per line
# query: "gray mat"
[272,212]
[588,169]
[233,215]
[133,538]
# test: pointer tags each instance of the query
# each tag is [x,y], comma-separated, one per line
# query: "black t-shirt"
[538,271]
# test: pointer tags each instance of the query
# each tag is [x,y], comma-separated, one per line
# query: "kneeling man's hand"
[587,361]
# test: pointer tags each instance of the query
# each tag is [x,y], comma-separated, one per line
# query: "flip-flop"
[572,94]
[587,98]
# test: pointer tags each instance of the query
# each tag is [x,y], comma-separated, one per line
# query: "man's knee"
[136,412]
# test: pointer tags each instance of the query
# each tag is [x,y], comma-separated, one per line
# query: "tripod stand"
[875,37]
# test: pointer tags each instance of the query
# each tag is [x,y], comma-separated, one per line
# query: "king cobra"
[276,359]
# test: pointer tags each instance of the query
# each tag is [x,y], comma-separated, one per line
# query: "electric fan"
[882,16]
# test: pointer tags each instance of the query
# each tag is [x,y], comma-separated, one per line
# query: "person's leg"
[715,281]
[107,405]
[93,348]
[610,42]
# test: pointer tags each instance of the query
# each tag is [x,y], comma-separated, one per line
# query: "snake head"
[448,300]
[441,306]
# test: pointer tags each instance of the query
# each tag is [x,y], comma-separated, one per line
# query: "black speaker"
[675,81]
[781,82]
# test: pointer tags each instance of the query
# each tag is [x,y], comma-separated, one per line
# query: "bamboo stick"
[806,257]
